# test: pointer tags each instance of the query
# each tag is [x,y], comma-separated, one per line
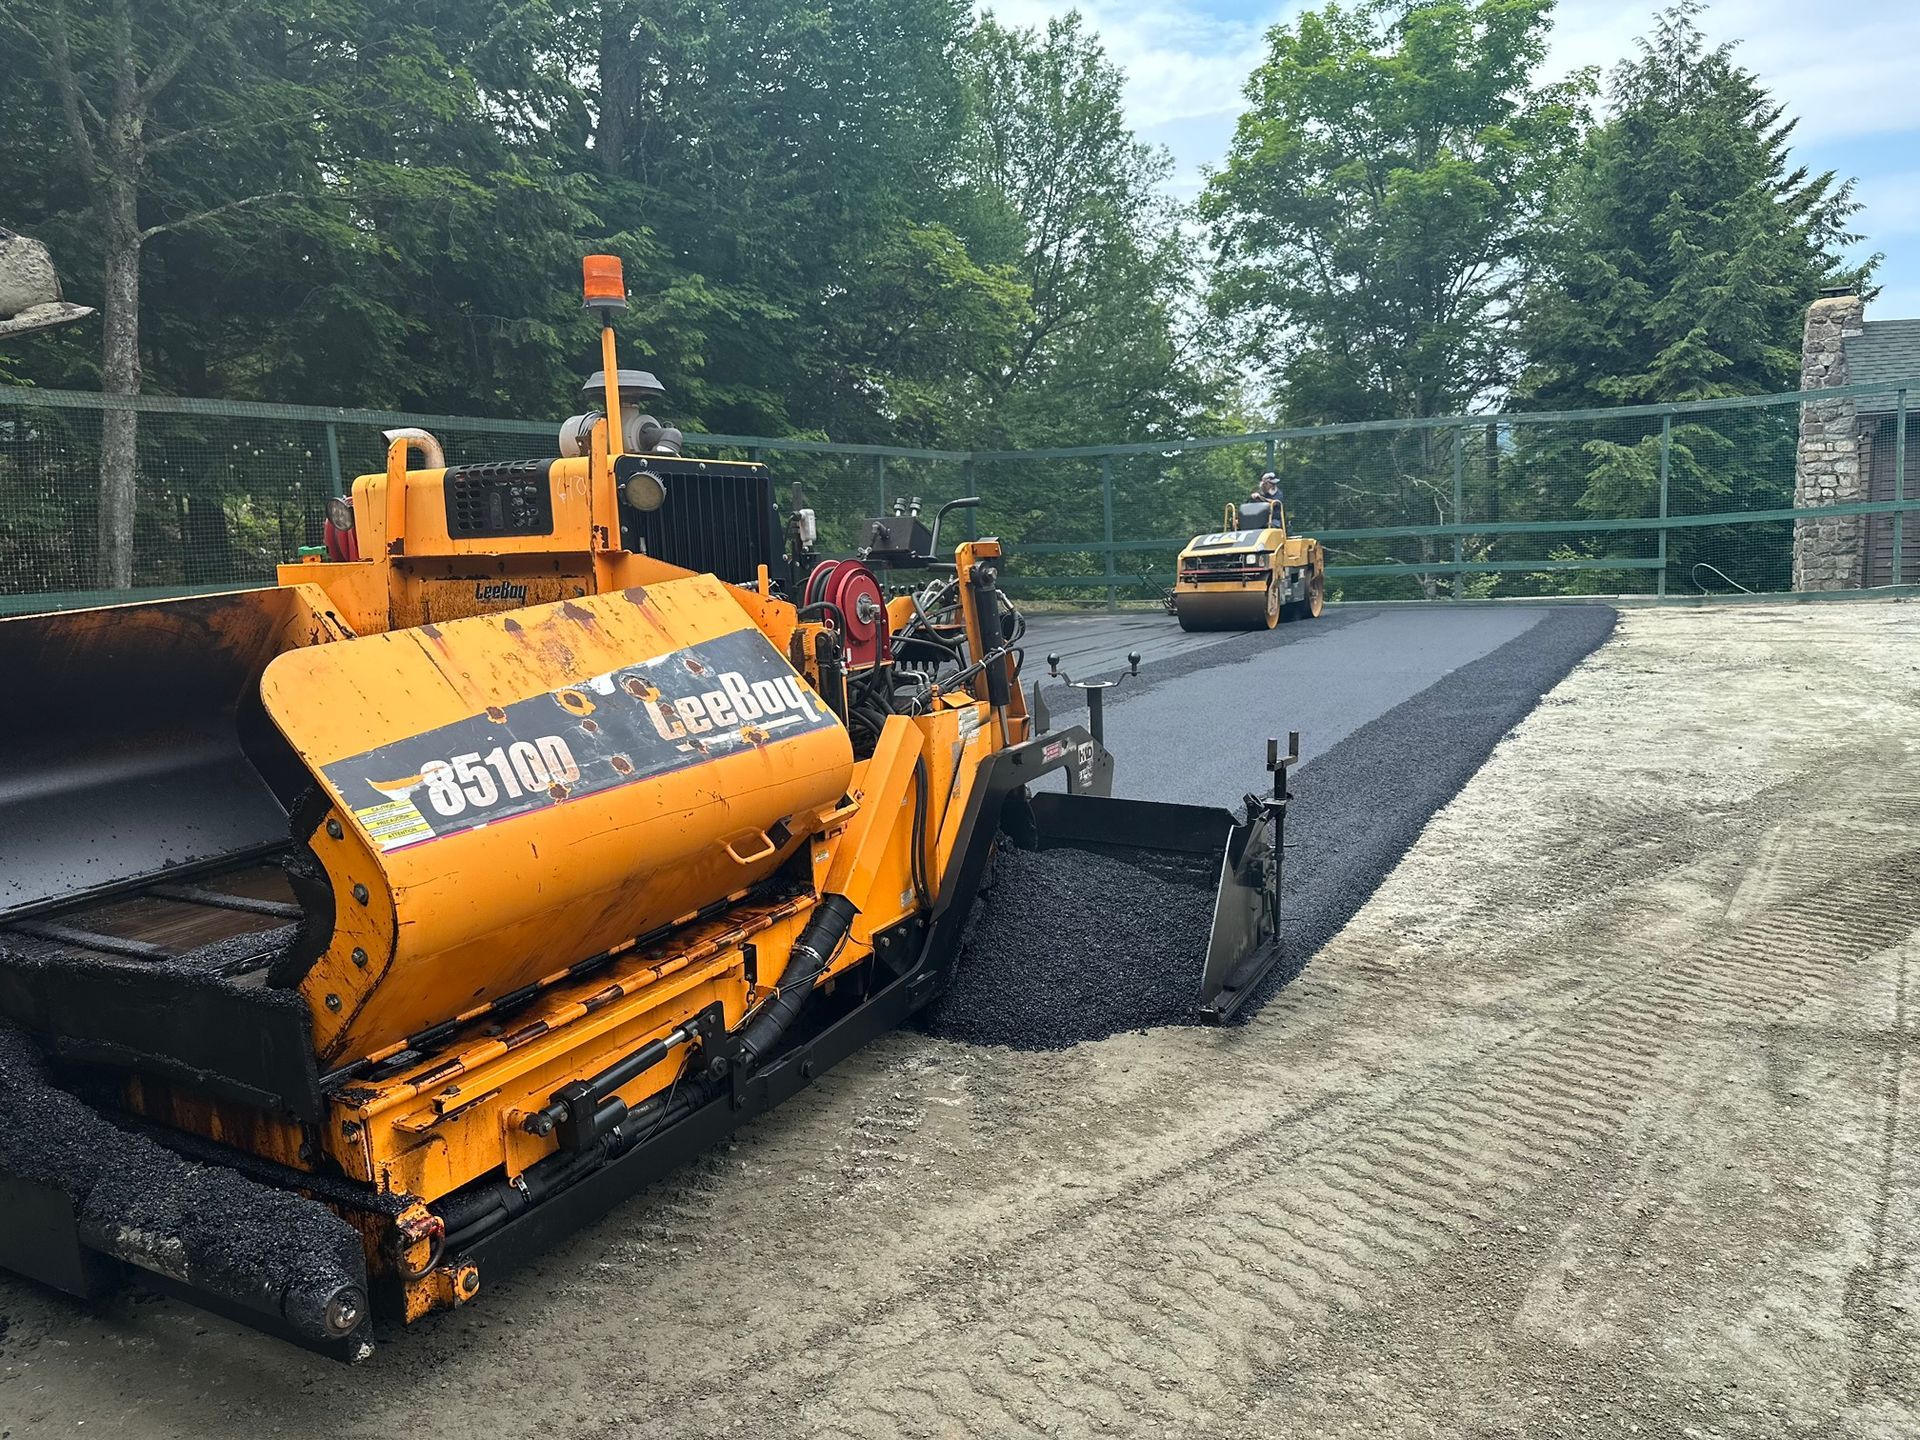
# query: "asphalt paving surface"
[1397,710]
[1211,700]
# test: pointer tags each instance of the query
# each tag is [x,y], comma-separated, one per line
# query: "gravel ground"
[1595,1120]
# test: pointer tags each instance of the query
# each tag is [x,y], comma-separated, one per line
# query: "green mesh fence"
[1677,500]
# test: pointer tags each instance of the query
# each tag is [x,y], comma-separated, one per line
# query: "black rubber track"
[1098,961]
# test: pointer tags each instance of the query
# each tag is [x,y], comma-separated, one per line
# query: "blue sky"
[1844,67]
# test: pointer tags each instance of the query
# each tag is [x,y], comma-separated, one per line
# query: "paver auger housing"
[361,932]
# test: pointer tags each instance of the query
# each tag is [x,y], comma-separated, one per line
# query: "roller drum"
[1224,609]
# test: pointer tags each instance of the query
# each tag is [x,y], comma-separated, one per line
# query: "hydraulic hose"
[919,837]
[812,951]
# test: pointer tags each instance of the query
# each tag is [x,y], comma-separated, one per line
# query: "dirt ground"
[1598,1120]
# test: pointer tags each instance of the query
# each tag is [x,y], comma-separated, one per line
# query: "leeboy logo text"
[734,702]
[501,590]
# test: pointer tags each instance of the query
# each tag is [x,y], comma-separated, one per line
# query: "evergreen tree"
[1686,244]
[1685,248]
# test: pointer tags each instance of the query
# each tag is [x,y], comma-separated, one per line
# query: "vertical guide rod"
[610,367]
[1276,809]
[1459,509]
[1899,478]
[1106,503]
[1666,467]
[333,459]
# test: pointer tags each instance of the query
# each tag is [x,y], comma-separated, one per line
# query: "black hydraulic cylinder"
[584,1110]
[608,1129]
[986,604]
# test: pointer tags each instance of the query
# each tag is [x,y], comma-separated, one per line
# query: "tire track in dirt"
[1393,1189]
[1869,1310]
[1269,1238]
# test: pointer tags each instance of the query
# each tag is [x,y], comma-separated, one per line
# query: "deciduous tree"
[135,83]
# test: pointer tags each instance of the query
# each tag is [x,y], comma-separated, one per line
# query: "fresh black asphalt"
[1398,709]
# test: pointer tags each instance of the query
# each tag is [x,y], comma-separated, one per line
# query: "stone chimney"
[1830,468]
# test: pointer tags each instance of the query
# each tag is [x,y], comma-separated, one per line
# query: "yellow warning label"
[396,823]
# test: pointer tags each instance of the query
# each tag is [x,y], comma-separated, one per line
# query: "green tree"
[437,268]
[779,155]
[1684,249]
[132,91]
[1373,224]
[907,352]
[875,220]
[1377,210]
[1055,186]
[1685,243]
[345,204]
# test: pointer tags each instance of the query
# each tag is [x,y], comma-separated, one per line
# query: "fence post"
[880,482]
[333,459]
[1666,465]
[1459,508]
[1899,477]
[1106,506]
[1270,457]
[966,488]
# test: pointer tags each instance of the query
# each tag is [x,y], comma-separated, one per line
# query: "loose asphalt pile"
[1065,938]
[1069,947]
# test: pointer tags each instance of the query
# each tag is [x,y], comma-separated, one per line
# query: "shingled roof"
[1885,352]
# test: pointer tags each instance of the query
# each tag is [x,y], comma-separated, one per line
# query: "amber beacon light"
[605,284]
[605,287]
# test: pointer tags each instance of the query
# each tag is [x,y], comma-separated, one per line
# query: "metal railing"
[1635,499]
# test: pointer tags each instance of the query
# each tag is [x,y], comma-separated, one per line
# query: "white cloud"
[1181,60]
[1844,68]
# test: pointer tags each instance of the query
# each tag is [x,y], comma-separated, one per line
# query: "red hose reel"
[851,589]
[337,533]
